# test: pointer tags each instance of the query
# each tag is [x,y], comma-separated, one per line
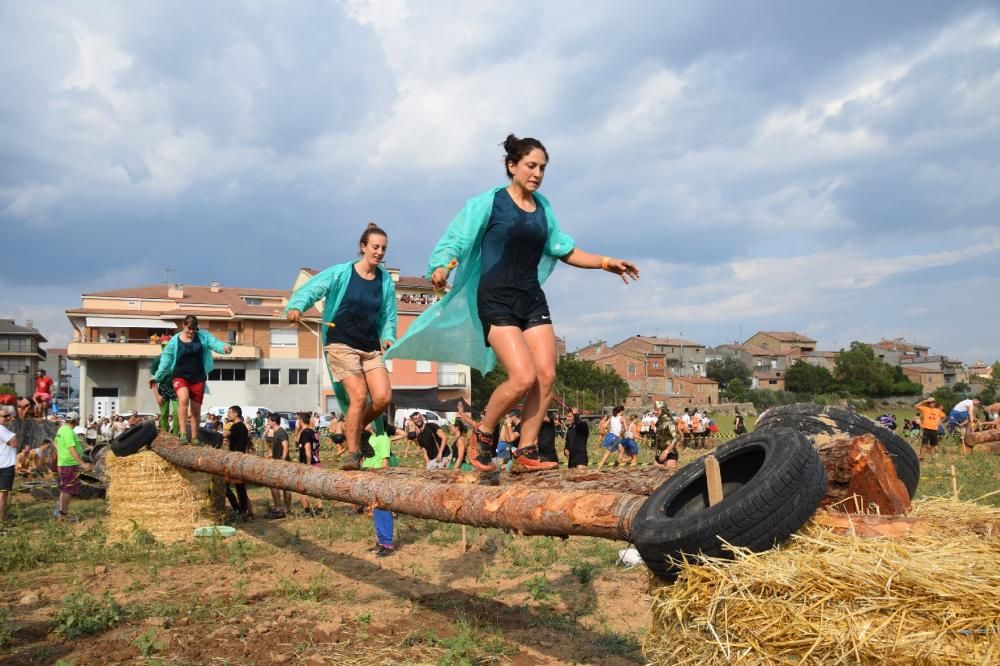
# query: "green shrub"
[83,613]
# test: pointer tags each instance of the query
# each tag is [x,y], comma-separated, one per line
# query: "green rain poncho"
[450,330]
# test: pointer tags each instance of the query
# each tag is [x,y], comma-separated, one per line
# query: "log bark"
[987,447]
[982,437]
[866,525]
[860,474]
[515,506]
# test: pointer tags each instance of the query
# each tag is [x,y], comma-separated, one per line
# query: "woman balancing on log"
[506,242]
[360,298]
[186,362]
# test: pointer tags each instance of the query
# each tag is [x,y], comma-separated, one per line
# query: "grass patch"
[468,646]
[147,643]
[314,590]
[584,572]
[83,613]
[6,628]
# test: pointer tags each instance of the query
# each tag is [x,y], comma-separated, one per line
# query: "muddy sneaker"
[483,449]
[352,461]
[526,460]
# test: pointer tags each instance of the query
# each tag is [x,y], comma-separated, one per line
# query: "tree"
[735,391]
[860,371]
[582,381]
[728,369]
[804,377]
[484,385]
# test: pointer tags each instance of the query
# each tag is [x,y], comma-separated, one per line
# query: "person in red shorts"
[43,394]
[187,361]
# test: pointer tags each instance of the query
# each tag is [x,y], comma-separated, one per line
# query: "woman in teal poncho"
[359,316]
[504,243]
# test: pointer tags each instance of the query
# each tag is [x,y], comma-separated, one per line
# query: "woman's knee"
[380,400]
[546,378]
[521,382]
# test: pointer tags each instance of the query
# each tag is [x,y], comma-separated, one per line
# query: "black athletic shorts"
[411,435]
[508,306]
[929,437]
[338,438]
[6,478]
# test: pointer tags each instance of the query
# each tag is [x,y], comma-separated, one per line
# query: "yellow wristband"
[604,263]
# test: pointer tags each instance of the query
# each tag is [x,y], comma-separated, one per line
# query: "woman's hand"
[439,277]
[227,349]
[386,344]
[293,315]
[626,269]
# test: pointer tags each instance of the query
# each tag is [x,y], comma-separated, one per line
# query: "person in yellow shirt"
[931,417]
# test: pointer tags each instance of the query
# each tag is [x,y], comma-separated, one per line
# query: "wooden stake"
[714,479]
[954,483]
[464,542]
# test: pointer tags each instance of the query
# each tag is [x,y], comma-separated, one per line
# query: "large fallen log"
[860,475]
[520,507]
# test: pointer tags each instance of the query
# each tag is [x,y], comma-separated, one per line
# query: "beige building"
[274,363]
[930,379]
[782,341]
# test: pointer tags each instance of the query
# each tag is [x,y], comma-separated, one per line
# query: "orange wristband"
[604,263]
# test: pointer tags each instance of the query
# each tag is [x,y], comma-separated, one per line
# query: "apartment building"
[782,341]
[21,355]
[274,363]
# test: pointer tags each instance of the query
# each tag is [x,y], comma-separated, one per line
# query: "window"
[15,344]
[253,300]
[232,336]
[656,364]
[772,382]
[284,337]
[298,376]
[269,376]
[631,368]
[423,366]
[228,375]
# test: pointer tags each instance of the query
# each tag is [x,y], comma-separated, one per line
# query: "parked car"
[288,420]
[429,416]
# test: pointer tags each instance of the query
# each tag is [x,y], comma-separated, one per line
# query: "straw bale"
[929,598]
[148,492]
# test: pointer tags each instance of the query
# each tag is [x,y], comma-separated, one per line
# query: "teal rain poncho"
[450,330]
[330,287]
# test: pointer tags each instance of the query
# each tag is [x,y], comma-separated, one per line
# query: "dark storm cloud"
[746,153]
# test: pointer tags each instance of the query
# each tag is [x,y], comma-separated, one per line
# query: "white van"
[429,416]
[249,411]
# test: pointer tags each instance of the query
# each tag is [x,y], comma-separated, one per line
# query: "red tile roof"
[787,336]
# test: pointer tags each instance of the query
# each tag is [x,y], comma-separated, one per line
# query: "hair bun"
[510,143]
[372,225]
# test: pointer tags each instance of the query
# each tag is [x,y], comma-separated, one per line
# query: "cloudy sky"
[828,168]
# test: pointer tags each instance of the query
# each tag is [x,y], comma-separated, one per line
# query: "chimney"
[175,290]
[213,286]
[29,324]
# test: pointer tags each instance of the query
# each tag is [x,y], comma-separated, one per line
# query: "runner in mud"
[506,243]
[359,316]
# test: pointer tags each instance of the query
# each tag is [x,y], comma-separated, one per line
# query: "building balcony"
[452,380]
[137,349]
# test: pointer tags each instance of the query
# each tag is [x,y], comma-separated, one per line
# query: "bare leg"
[194,410]
[357,391]
[512,350]
[183,401]
[541,343]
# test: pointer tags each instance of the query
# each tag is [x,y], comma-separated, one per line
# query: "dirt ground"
[305,590]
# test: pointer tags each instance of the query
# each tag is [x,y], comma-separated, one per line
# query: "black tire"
[817,420]
[210,437]
[134,439]
[773,481]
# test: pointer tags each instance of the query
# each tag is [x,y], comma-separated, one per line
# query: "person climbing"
[505,244]
[359,313]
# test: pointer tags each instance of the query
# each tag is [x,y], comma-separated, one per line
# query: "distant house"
[930,379]
[769,380]
[684,357]
[980,370]
[782,341]
[821,359]
[21,355]
[698,391]
[952,370]
[898,350]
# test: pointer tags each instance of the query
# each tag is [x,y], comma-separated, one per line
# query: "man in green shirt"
[166,399]
[69,458]
[384,526]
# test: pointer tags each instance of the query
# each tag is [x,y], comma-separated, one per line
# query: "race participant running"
[505,244]
[187,362]
[359,314]
[43,394]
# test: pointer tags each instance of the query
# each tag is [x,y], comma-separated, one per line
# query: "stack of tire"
[773,481]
